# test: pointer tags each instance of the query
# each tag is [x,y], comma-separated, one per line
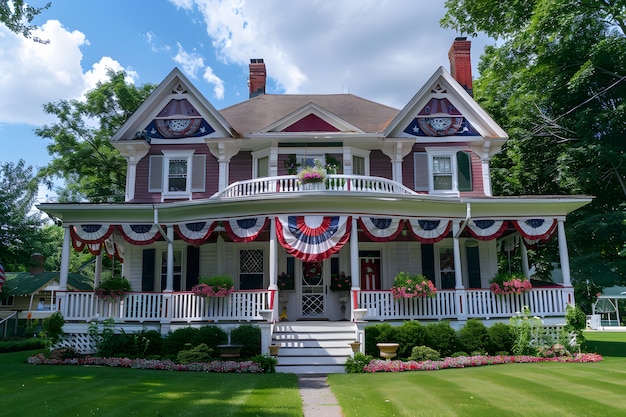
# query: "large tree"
[556,81]
[19,226]
[81,149]
[17,16]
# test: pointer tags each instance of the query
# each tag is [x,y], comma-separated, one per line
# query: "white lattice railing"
[483,303]
[334,182]
[172,307]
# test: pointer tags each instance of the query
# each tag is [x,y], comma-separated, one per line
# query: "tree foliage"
[19,228]
[17,16]
[556,81]
[81,149]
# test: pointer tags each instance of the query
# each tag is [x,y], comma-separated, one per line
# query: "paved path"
[317,398]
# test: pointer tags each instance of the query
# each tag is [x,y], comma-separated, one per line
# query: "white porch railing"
[334,182]
[482,303]
[165,307]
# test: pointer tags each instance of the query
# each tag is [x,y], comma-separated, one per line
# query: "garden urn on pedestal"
[388,350]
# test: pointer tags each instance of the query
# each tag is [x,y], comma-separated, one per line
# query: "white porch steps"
[313,347]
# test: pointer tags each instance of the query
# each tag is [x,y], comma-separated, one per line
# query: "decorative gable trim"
[311,113]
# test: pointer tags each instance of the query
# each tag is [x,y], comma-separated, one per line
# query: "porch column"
[354,267]
[460,298]
[486,175]
[169,277]
[98,272]
[524,253]
[65,258]
[273,256]
[568,290]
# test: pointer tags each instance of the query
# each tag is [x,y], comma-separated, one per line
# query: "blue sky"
[380,50]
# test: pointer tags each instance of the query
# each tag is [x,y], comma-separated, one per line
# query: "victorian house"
[213,192]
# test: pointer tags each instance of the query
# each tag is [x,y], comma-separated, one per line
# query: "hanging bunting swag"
[245,230]
[313,238]
[140,234]
[486,229]
[91,233]
[195,233]
[429,231]
[536,229]
[381,229]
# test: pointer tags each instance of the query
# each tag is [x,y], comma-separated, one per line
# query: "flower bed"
[163,365]
[378,365]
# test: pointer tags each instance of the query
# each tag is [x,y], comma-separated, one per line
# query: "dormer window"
[176,174]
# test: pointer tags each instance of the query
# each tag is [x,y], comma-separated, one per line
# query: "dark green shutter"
[193,267]
[428,261]
[464,171]
[473,267]
[147,270]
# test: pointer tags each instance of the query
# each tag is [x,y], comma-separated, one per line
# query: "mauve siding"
[380,165]
[240,167]
[478,188]
[143,168]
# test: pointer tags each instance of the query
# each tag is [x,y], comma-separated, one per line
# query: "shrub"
[410,334]
[576,322]
[473,336]
[424,353]
[501,338]
[63,353]
[178,339]
[153,342]
[371,335]
[528,333]
[52,328]
[20,345]
[380,333]
[441,337]
[200,353]
[266,362]
[459,354]
[211,336]
[248,335]
[357,364]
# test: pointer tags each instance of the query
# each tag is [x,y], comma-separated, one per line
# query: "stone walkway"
[317,398]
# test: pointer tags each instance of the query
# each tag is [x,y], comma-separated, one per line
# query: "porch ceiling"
[360,204]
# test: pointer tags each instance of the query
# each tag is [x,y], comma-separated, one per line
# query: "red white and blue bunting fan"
[313,238]
[381,229]
[91,233]
[245,230]
[140,234]
[114,247]
[429,231]
[195,233]
[486,229]
[536,229]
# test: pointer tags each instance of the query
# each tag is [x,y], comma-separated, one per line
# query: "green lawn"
[64,391]
[543,389]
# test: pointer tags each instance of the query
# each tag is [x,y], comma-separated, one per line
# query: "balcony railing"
[334,182]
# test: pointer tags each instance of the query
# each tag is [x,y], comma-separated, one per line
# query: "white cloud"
[192,63]
[211,78]
[379,50]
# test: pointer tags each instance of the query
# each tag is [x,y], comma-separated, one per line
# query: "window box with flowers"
[340,282]
[215,286]
[412,286]
[285,282]
[113,288]
[504,283]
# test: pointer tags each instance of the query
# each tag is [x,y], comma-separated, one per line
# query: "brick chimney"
[258,75]
[461,63]
[37,261]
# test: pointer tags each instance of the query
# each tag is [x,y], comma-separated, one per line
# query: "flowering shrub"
[410,286]
[113,288]
[163,365]
[216,286]
[555,351]
[340,282]
[314,174]
[504,284]
[378,365]
[285,282]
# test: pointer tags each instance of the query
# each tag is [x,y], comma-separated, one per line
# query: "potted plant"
[285,282]
[312,175]
[505,283]
[215,286]
[113,288]
[411,286]
[340,282]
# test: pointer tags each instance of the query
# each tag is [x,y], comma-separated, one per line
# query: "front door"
[313,291]
[370,270]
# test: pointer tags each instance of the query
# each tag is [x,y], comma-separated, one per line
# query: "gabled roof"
[332,122]
[23,283]
[257,114]
[175,82]
[441,86]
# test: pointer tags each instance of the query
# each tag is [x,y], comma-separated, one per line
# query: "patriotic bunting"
[313,238]
[536,229]
[195,233]
[91,233]
[114,247]
[380,229]
[429,231]
[486,229]
[140,234]
[245,230]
